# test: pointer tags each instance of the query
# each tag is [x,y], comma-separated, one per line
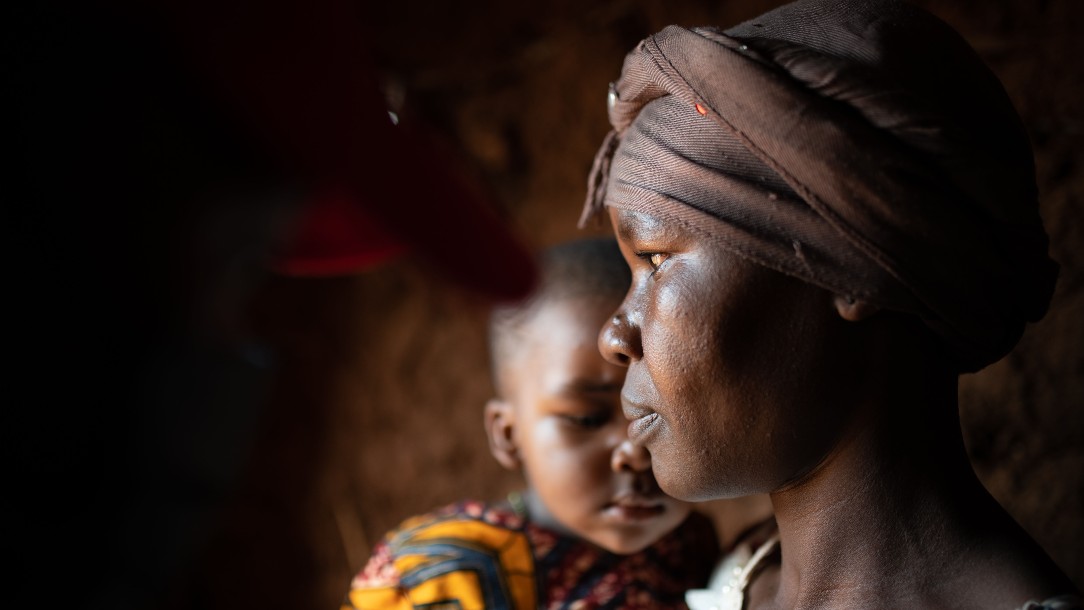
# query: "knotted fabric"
[861,146]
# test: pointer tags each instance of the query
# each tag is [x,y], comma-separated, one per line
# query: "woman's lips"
[642,420]
[641,427]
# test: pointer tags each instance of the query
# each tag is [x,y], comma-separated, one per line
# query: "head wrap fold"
[857,145]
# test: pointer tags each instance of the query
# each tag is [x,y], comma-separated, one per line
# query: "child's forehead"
[557,353]
[557,328]
[554,326]
[579,313]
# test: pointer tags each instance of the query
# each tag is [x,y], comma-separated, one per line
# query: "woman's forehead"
[631,224]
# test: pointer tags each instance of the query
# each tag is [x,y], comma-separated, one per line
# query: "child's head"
[557,416]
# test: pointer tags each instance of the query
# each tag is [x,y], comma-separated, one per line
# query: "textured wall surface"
[376,412]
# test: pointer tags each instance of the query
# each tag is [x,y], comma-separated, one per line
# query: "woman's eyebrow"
[631,225]
[622,227]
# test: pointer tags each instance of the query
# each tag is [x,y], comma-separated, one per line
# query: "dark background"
[254,463]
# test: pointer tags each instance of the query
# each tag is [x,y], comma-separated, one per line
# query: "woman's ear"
[500,428]
[854,310]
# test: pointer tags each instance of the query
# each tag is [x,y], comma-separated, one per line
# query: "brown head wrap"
[857,145]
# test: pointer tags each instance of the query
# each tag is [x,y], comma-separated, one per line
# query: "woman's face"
[738,376]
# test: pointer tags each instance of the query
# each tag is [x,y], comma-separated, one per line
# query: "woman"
[830,213]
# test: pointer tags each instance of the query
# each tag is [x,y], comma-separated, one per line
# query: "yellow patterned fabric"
[445,563]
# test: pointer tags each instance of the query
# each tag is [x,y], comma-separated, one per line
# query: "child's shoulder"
[468,551]
[692,546]
[500,515]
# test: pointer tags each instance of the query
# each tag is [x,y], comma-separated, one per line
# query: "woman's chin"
[689,485]
[679,484]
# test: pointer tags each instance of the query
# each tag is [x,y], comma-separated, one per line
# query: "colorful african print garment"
[473,556]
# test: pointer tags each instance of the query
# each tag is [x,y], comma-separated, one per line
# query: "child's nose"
[630,457]
[619,340]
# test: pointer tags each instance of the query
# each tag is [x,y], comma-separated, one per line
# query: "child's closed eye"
[589,421]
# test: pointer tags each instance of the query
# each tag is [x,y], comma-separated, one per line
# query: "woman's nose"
[619,340]
[630,457]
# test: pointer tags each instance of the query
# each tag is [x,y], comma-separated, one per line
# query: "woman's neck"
[896,517]
[860,528]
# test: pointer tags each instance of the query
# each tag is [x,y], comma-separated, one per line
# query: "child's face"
[571,438]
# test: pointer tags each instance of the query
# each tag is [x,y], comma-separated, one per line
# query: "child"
[592,529]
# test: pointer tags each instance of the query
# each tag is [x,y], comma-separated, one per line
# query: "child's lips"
[634,508]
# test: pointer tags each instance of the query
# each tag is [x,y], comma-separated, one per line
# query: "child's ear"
[854,310]
[500,428]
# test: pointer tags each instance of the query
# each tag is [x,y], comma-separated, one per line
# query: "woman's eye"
[654,259]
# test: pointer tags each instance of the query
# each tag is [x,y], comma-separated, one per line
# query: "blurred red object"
[333,235]
[298,73]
